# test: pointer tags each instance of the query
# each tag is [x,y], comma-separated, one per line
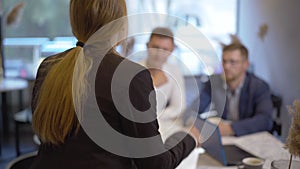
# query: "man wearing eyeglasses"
[248,106]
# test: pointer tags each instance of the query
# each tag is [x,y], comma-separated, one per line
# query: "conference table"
[263,145]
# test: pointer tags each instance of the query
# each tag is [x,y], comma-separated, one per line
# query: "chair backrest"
[277,103]
[22,162]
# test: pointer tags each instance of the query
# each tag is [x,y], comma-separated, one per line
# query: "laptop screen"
[211,140]
[212,143]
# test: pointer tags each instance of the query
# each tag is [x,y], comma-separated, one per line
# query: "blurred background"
[269,28]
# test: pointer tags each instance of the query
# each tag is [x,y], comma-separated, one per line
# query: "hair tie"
[81,44]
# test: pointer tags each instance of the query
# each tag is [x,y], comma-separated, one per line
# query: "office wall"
[276,58]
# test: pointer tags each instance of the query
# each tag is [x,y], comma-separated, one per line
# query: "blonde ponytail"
[54,117]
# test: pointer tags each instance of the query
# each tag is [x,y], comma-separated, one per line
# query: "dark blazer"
[255,104]
[80,152]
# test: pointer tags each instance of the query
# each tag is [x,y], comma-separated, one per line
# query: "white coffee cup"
[251,163]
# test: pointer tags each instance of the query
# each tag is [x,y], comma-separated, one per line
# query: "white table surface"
[263,145]
[11,84]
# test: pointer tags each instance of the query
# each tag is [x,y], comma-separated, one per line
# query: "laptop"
[228,155]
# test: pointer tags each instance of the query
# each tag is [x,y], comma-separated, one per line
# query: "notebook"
[228,155]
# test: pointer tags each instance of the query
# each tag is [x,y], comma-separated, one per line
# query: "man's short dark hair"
[162,32]
[237,46]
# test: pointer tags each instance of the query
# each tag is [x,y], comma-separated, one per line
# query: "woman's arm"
[141,87]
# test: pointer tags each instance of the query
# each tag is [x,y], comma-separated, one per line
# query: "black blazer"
[80,152]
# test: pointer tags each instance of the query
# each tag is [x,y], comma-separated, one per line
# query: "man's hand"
[225,129]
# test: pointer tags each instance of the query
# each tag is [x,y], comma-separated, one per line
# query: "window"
[46,18]
[215,19]
[43,29]
[34,34]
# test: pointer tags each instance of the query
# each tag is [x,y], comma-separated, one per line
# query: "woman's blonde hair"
[54,118]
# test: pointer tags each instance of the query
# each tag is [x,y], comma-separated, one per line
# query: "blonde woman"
[65,142]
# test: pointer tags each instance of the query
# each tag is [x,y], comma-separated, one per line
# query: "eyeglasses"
[231,62]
